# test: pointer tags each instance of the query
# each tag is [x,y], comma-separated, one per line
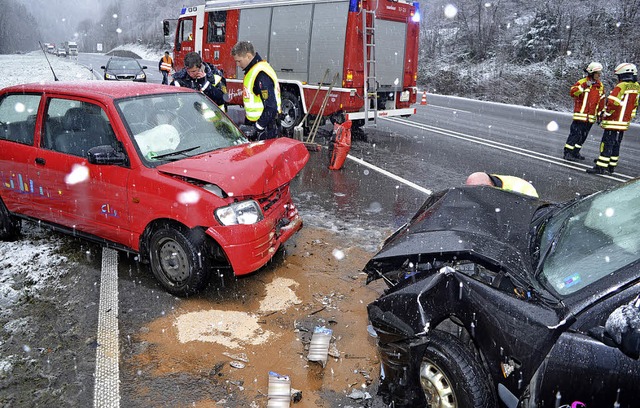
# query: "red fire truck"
[364,54]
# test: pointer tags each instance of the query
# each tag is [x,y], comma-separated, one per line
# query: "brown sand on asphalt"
[270,322]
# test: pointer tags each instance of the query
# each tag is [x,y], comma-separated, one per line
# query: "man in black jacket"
[203,77]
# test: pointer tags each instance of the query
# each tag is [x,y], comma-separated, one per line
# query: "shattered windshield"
[591,239]
[170,127]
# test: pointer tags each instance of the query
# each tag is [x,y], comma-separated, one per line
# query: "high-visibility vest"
[622,104]
[252,103]
[588,100]
[516,185]
[166,63]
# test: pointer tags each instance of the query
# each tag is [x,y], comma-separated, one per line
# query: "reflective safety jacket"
[588,100]
[166,63]
[253,103]
[622,104]
[514,184]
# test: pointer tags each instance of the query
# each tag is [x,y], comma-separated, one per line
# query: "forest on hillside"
[514,51]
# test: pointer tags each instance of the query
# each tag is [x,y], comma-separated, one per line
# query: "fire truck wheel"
[178,260]
[291,112]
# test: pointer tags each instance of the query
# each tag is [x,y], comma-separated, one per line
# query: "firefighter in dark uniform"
[621,107]
[588,96]
[203,77]
[260,94]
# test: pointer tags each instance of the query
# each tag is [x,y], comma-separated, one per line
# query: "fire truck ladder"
[370,82]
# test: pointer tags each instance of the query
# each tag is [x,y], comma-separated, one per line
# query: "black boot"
[611,169]
[577,155]
[596,170]
[569,156]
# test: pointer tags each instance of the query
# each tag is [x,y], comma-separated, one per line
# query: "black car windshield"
[591,239]
[125,64]
[185,123]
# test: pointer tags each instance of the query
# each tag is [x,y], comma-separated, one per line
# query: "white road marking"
[391,175]
[107,375]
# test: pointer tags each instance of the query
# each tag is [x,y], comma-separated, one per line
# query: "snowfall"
[34,258]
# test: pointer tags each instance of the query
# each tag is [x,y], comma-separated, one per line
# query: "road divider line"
[502,146]
[107,375]
[391,175]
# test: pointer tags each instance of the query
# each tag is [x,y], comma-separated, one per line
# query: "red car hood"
[249,169]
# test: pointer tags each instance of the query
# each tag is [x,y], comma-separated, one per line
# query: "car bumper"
[249,247]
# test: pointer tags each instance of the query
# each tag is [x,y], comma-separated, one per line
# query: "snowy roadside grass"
[33,67]
[29,265]
[143,51]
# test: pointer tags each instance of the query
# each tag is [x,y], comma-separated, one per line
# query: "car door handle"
[41,161]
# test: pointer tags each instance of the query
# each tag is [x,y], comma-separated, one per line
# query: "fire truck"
[357,58]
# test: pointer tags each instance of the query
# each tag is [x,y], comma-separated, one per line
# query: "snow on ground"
[33,67]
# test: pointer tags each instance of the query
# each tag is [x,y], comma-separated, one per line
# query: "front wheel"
[178,261]
[291,112]
[452,377]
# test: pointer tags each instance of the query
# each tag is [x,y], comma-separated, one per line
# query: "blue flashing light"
[354,6]
[184,10]
[416,14]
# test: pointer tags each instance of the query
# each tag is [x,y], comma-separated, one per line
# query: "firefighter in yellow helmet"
[588,96]
[620,109]
[507,183]
[260,93]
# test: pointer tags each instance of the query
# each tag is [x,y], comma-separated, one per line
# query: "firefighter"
[620,109]
[203,77]
[260,94]
[588,96]
[507,183]
[165,66]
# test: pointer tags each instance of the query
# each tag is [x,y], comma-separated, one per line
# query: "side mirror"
[144,67]
[165,27]
[622,329]
[106,155]
[103,67]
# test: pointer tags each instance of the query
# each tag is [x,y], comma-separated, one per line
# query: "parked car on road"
[501,300]
[148,169]
[61,52]
[124,69]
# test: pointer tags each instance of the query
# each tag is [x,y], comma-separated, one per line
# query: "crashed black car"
[124,69]
[502,300]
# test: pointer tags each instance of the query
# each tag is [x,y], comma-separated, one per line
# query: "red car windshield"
[168,127]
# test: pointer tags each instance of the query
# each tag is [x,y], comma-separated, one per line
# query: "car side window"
[18,114]
[74,127]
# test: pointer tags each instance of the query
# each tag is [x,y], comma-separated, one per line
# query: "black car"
[501,300]
[124,69]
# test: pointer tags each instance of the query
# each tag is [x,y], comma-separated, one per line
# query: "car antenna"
[55,78]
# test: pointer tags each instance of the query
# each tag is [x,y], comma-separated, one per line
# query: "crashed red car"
[154,170]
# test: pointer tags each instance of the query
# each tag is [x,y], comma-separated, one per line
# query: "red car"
[154,170]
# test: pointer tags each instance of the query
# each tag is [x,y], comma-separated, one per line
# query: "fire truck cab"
[363,54]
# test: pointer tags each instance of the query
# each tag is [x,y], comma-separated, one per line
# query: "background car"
[498,299]
[124,69]
[147,169]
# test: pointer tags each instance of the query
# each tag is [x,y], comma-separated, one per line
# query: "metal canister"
[279,393]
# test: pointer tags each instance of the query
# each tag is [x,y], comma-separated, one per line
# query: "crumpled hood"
[485,222]
[251,169]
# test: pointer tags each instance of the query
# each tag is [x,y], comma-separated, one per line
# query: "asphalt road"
[383,183]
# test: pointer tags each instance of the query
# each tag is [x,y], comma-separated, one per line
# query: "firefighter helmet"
[594,67]
[626,68]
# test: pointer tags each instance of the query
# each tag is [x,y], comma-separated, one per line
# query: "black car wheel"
[291,112]
[9,225]
[178,261]
[451,376]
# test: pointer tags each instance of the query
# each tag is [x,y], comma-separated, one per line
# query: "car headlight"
[243,212]
[141,76]
[109,76]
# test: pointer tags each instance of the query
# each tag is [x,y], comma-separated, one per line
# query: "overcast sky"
[58,19]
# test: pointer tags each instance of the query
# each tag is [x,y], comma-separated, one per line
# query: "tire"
[178,261]
[9,225]
[291,112]
[452,377]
